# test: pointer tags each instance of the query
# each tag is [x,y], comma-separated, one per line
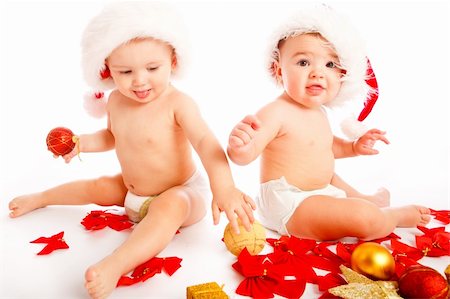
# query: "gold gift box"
[210,290]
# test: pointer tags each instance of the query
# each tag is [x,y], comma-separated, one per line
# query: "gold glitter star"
[360,286]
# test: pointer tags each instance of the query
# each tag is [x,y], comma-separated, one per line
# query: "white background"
[42,88]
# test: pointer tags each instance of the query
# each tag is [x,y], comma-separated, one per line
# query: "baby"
[134,49]
[319,61]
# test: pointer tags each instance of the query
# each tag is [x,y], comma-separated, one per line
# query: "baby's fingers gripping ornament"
[61,141]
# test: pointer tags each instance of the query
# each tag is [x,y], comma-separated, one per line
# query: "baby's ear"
[276,71]
[174,61]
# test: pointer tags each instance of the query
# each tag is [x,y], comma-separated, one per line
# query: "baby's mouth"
[142,94]
[315,89]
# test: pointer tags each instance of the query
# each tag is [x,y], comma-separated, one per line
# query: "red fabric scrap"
[261,275]
[289,267]
[149,269]
[54,242]
[406,250]
[329,281]
[97,220]
[441,215]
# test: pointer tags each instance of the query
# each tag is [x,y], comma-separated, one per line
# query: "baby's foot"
[412,216]
[24,204]
[382,198]
[102,278]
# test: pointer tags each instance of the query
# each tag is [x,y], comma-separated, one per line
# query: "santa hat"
[118,23]
[359,82]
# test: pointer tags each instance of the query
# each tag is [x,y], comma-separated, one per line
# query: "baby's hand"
[234,202]
[243,133]
[68,157]
[364,145]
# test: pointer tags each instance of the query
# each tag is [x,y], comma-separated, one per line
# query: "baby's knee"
[102,183]
[108,186]
[368,221]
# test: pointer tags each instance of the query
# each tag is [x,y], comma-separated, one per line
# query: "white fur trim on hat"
[95,104]
[345,39]
[120,22]
[352,128]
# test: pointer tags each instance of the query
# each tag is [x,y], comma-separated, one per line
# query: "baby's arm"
[241,148]
[100,141]
[251,135]
[362,146]
[226,197]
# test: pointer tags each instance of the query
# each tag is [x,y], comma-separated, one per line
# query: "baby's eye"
[303,62]
[331,64]
[151,69]
[125,72]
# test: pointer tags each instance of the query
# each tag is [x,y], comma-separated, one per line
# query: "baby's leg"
[176,207]
[103,191]
[328,218]
[381,198]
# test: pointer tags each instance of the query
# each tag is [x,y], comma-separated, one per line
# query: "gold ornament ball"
[373,260]
[254,240]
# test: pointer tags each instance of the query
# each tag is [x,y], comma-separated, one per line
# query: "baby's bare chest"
[143,127]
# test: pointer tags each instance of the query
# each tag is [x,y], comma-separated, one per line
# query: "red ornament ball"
[60,141]
[422,282]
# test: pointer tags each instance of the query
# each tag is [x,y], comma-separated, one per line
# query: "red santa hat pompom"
[358,82]
[118,23]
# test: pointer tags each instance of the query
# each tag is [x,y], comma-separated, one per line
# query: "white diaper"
[136,206]
[277,201]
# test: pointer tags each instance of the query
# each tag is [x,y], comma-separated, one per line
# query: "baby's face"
[141,69]
[309,69]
